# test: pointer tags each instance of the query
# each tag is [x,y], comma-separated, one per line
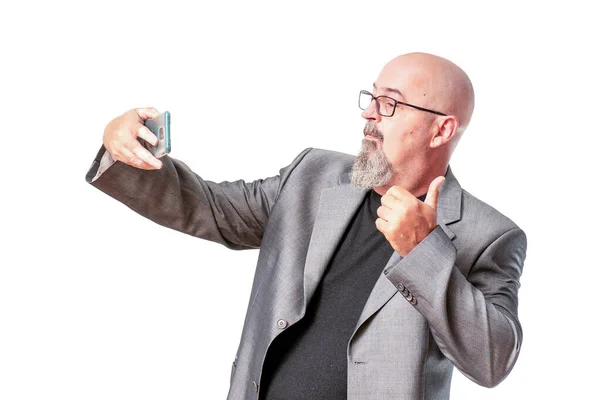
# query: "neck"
[417,183]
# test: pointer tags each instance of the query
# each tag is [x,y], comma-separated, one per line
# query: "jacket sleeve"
[472,319]
[230,213]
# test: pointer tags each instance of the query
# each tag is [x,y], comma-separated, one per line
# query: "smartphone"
[161,127]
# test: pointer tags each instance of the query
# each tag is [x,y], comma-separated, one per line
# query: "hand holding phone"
[125,135]
[161,127]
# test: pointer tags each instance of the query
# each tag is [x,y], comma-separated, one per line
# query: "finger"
[381,225]
[384,213]
[145,155]
[126,156]
[138,150]
[147,113]
[434,191]
[147,135]
[398,192]
[391,202]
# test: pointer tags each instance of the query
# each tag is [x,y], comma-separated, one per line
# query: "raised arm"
[171,194]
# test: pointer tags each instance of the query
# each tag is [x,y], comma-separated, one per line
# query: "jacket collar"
[449,203]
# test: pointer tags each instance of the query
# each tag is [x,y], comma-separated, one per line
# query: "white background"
[97,302]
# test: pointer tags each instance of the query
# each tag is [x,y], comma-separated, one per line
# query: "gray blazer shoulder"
[477,210]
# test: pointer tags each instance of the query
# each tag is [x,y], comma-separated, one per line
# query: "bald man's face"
[403,138]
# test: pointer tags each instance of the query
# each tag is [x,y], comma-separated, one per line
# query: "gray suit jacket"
[452,301]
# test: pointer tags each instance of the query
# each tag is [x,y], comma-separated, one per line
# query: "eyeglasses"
[386,106]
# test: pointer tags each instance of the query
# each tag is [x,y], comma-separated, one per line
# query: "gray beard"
[371,168]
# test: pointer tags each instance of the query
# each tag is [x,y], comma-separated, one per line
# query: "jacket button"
[282,324]
[413,301]
[400,287]
[255,386]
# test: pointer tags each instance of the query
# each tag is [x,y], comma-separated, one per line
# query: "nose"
[370,113]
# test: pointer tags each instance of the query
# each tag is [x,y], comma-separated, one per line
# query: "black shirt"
[308,360]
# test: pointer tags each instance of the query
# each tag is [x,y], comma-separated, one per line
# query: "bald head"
[416,144]
[436,83]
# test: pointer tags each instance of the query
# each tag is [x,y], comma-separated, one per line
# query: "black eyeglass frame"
[396,102]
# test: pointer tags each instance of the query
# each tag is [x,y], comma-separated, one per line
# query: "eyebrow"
[387,89]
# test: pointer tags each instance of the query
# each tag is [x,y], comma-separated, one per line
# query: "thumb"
[434,191]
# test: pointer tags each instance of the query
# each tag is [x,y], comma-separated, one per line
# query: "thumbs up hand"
[404,220]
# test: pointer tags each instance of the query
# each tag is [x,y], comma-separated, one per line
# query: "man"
[377,273]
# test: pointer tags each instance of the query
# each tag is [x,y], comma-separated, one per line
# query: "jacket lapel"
[382,292]
[449,209]
[337,206]
[449,203]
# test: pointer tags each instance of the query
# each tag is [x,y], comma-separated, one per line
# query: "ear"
[444,130]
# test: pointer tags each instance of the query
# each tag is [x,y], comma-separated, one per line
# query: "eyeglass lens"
[385,105]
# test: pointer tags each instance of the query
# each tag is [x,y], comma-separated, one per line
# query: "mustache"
[370,129]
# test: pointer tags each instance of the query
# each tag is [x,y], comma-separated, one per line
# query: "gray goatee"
[371,168]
